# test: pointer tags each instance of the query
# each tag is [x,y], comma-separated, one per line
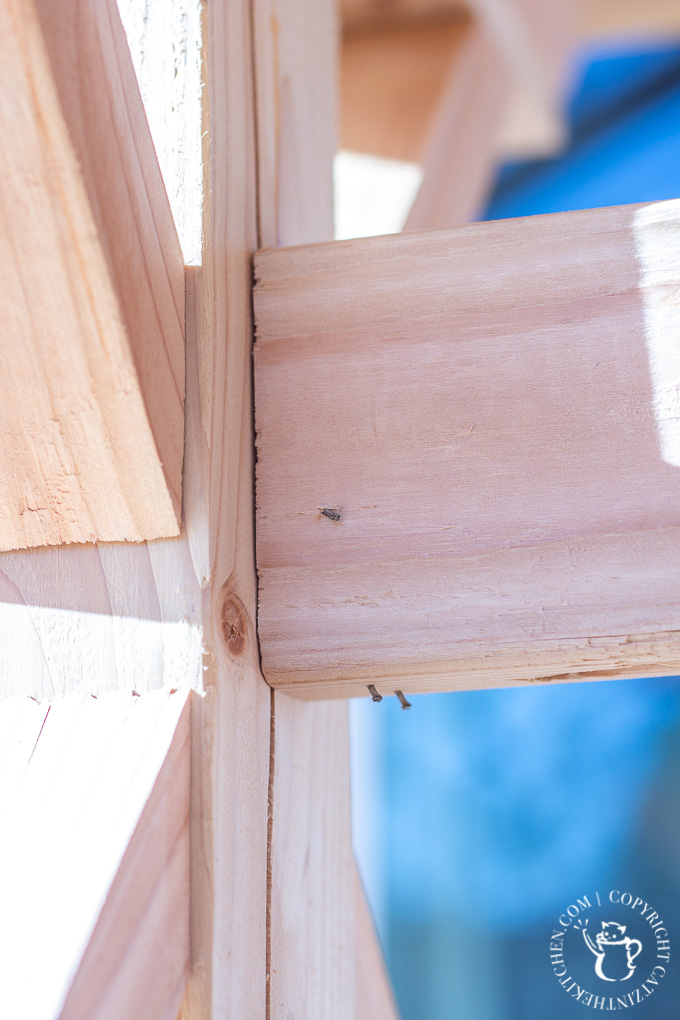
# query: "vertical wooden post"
[311,916]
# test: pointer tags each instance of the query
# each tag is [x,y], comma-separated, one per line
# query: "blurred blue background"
[479,816]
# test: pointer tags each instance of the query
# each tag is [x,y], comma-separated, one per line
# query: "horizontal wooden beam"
[632,18]
[94,873]
[591,18]
[376,13]
[92,294]
[468,455]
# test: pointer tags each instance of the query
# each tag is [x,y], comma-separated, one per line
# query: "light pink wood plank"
[492,411]
[95,797]
[92,293]
[374,995]
[311,964]
[137,960]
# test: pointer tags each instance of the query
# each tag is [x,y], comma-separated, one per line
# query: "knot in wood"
[233,619]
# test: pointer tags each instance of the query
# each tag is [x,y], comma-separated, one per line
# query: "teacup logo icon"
[614,952]
[600,940]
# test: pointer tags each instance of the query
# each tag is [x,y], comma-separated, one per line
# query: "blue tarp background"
[481,815]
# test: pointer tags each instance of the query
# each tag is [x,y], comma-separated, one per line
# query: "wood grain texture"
[79,459]
[232,742]
[295,63]
[374,995]
[311,926]
[80,778]
[140,617]
[312,907]
[492,411]
[108,128]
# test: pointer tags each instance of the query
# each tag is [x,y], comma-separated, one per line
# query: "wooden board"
[296,64]
[534,37]
[374,13]
[432,94]
[392,82]
[634,19]
[87,619]
[92,408]
[231,743]
[138,958]
[536,41]
[79,779]
[312,916]
[311,911]
[460,156]
[492,413]
[181,612]
[374,995]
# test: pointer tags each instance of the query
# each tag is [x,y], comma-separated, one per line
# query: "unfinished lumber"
[312,933]
[461,151]
[632,19]
[374,13]
[536,41]
[534,37]
[148,615]
[392,82]
[296,64]
[95,876]
[92,299]
[432,94]
[454,90]
[181,612]
[313,908]
[232,741]
[488,417]
[374,995]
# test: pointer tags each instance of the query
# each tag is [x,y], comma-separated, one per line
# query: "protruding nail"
[374,694]
[402,700]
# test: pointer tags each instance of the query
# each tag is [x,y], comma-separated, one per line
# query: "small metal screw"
[374,694]
[331,514]
[402,700]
